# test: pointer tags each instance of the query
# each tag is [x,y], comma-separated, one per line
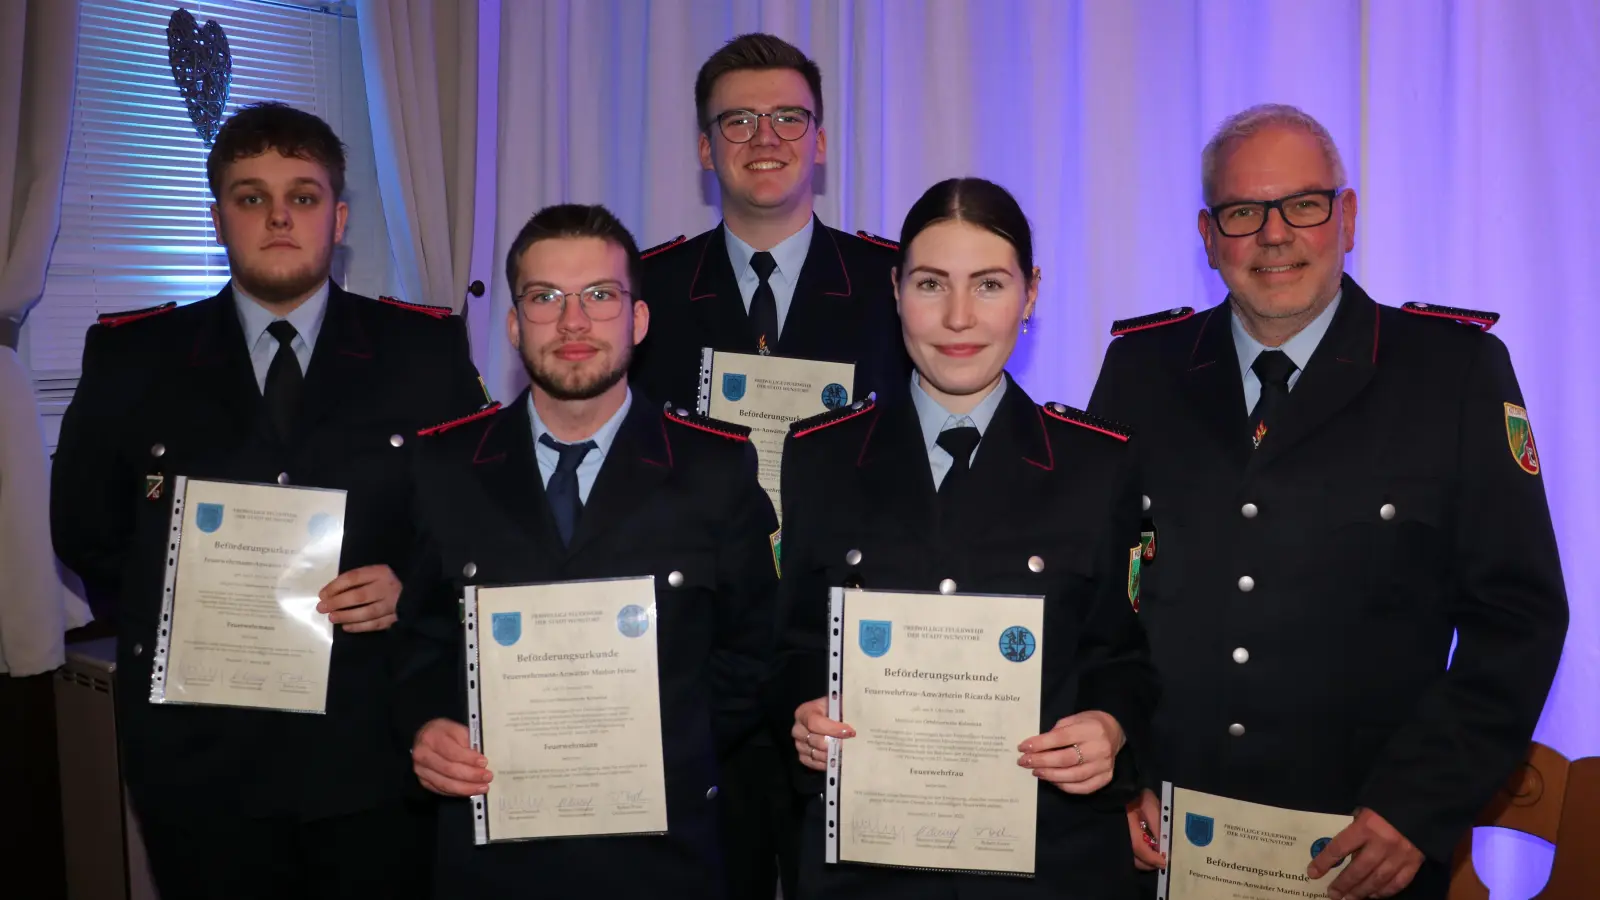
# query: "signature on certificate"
[875,830]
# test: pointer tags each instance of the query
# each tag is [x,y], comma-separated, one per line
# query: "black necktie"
[764,304]
[282,388]
[1273,367]
[562,491]
[959,442]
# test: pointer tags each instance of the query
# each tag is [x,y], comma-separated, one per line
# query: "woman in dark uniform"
[970,487]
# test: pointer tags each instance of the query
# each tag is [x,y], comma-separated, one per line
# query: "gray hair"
[1247,122]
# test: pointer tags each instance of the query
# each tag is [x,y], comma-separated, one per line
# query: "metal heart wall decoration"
[202,66]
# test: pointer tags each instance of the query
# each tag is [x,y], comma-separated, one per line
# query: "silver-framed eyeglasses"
[1307,209]
[740,125]
[543,305]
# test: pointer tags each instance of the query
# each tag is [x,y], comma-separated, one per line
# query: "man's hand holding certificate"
[241,624]
[1223,849]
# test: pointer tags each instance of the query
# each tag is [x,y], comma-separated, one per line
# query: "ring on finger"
[1076,749]
[813,752]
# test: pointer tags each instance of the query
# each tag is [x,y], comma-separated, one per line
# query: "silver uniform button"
[1386,511]
[469,570]
[675,579]
[711,792]
[852,558]
[1035,564]
[1248,510]
[1144,502]
[138,649]
[1246,583]
[1236,730]
[396,440]
[283,477]
[681,411]
[158,451]
[1241,655]
[947,586]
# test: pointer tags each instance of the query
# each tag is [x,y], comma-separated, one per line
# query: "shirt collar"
[602,438]
[790,253]
[934,418]
[306,318]
[1299,348]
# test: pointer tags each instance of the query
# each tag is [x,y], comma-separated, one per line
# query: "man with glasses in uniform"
[1333,490]
[770,279]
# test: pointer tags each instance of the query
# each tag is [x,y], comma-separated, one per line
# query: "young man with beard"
[582,478]
[1335,490]
[282,377]
[771,278]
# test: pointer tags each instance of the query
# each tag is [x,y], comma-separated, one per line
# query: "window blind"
[135,221]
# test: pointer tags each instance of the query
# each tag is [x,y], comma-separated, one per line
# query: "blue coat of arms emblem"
[208,516]
[835,396]
[874,637]
[1017,644]
[507,628]
[732,387]
[1197,829]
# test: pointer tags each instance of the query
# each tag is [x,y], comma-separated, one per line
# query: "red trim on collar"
[659,248]
[442,427]
[477,454]
[1049,448]
[704,426]
[1149,325]
[698,266]
[112,320]
[1083,420]
[437,312]
[842,268]
[844,418]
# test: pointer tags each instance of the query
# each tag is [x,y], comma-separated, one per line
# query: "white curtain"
[1469,129]
[420,59]
[38,53]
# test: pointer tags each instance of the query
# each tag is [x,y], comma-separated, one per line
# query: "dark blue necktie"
[562,491]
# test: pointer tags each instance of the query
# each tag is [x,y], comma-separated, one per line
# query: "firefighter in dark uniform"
[771,278]
[970,487]
[281,377]
[583,478]
[1333,490]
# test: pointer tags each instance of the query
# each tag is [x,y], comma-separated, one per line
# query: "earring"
[1025,324]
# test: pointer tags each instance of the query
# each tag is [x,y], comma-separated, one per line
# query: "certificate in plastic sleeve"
[767,393]
[940,690]
[239,622]
[1222,849]
[564,701]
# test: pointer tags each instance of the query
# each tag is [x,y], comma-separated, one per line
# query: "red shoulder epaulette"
[442,427]
[871,238]
[1154,320]
[1084,420]
[437,312]
[646,254]
[831,417]
[1484,320]
[707,424]
[112,320]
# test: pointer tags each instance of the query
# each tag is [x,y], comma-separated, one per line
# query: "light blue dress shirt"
[254,318]
[935,419]
[589,469]
[790,255]
[1299,348]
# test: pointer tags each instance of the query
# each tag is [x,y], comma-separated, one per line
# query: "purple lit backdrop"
[1471,131]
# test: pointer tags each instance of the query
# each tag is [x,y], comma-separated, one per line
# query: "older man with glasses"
[1334,490]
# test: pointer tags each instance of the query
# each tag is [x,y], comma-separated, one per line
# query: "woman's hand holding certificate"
[1078,755]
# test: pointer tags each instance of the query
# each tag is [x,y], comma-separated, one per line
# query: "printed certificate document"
[1222,849]
[239,616]
[767,393]
[940,690]
[566,706]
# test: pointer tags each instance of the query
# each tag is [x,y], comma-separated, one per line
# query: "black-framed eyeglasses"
[1307,209]
[740,125]
[541,306]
